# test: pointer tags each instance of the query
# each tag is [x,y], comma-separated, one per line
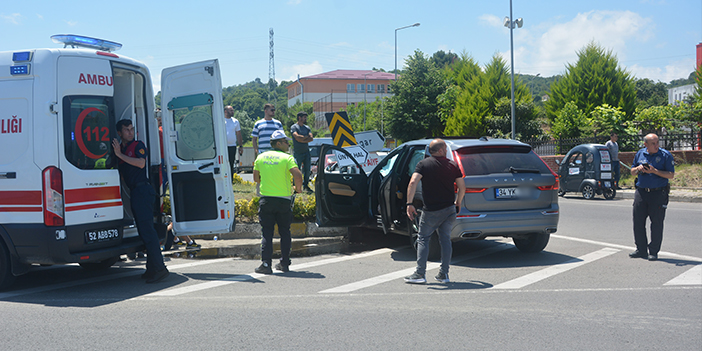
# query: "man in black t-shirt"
[441,203]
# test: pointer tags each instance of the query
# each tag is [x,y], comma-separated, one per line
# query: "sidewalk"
[676,195]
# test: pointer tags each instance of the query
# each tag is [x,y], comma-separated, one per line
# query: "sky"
[652,39]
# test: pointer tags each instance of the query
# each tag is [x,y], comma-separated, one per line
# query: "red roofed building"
[332,91]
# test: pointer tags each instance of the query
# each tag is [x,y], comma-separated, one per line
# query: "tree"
[442,59]
[478,99]
[650,94]
[569,123]
[606,119]
[413,110]
[499,125]
[596,79]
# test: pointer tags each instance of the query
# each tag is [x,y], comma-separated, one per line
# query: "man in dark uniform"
[438,175]
[654,166]
[132,167]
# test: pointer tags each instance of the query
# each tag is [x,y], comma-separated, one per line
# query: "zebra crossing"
[377,280]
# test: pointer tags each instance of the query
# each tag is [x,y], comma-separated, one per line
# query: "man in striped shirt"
[262,130]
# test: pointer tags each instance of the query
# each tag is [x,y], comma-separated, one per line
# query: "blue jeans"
[304,162]
[430,221]
[142,200]
[272,211]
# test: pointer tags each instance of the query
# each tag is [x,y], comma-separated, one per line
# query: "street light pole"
[396,29]
[365,89]
[511,24]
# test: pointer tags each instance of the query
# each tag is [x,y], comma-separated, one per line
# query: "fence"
[670,142]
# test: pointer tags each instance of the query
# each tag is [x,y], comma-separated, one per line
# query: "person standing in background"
[263,128]
[233,136]
[301,136]
[614,154]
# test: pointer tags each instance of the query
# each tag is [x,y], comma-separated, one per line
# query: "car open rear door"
[341,188]
[195,149]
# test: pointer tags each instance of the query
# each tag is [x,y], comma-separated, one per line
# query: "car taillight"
[52,190]
[553,186]
[469,190]
[475,190]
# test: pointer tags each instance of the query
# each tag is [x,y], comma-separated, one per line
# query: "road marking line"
[624,247]
[131,272]
[531,278]
[692,276]
[247,277]
[405,272]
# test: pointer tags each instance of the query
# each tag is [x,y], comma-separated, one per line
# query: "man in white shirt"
[233,136]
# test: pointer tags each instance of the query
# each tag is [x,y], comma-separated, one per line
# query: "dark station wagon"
[510,192]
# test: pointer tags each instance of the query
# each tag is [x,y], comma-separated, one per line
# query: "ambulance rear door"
[195,149]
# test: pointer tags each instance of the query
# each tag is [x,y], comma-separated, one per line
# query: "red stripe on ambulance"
[74,196]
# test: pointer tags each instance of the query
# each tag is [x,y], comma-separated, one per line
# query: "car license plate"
[95,236]
[505,193]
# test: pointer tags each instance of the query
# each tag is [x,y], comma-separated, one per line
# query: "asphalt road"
[582,293]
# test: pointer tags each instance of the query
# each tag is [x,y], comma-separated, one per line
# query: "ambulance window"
[195,128]
[88,128]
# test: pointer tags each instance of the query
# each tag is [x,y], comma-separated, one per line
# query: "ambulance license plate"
[96,236]
[505,193]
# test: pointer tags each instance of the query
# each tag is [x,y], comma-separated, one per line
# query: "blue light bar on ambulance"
[85,42]
[19,70]
[22,56]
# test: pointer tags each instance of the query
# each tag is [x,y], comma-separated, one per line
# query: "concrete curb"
[251,248]
[676,195]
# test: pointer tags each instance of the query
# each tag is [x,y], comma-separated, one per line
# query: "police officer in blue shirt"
[653,166]
[132,167]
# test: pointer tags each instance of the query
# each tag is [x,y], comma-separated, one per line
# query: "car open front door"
[195,149]
[341,188]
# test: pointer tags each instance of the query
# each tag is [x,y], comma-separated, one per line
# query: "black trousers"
[272,211]
[232,158]
[649,205]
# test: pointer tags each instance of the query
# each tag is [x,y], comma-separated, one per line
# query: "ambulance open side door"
[195,149]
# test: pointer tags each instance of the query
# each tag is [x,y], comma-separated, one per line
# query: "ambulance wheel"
[534,242]
[609,193]
[100,265]
[6,277]
[588,192]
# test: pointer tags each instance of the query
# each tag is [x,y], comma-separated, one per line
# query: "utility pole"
[271,65]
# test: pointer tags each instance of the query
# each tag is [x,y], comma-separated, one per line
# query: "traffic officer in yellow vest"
[274,171]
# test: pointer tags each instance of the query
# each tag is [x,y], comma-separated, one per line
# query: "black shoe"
[264,268]
[158,276]
[637,254]
[652,257]
[282,267]
[147,275]
[415,278]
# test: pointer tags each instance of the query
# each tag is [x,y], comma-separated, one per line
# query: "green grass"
[686,176]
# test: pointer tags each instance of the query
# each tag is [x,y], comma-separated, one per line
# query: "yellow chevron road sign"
[340,127]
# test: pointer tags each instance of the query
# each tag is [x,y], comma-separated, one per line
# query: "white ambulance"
[61,196]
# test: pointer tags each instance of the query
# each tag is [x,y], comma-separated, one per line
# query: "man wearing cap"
[653,167]
[274,171]
[301,136]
